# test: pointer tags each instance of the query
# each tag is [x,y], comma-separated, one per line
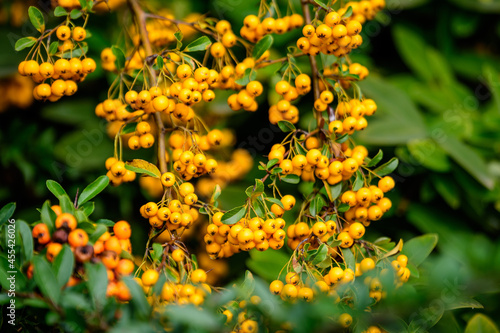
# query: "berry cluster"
[222,240]
[117,173]
[254,29]
[57,78]
[284,110]
[106,249]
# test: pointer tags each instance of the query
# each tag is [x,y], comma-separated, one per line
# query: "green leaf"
[87,208]
[317,205]
[234,215]
[376,159]
[93,189]
[301,150]
[468,159]
[348,13]
[53,47]
[48,216]
[67,206]
[215,195]
[275,201]
[428,153]
[267,265]
[335,190]
[142,166]
[45,279]
[286,126]
[129,128]
[106,222]
[262,46]
[120,57]
[200,44]
[255,190]
[358,182]
[6,212]
[97,284]
[481,323]
[272,163]
[24,42]
[343,208]
[178,36]
[75,13]
[36,18]
[249,75]
[27,239]
[387,168]
[63,265]
[464,303]
[323,3]
[291,179]
[419,248]
[320,255]
[412,48]
[492,78]
[100,229]
[350,261]
[59,11]
[139,301]
[55,188]
[157,252]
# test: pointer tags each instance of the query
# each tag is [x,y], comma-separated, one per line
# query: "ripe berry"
[63,32]
[66,220]
[78,237]
[41,233]
[198,276]
[178,255]
[122,230]
[79,34]
[149,277]
[276,287]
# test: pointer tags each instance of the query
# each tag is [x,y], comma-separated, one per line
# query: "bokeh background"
[434,72]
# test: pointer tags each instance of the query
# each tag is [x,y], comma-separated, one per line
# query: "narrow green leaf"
[275,201]
[234,215]
[97,284]
[320,255]
[322,3]
[46,279]
[262,46]
[469,159]
[291,179]
[178,36]
[24,42]
[157,252]
[120,57]
[53,47]
[387,168]
[139,301]
[200,44]
[55,188]
[358,182]
[376,159]
[106,222]
[286,126]
[36,18]
[67,206]
[272,163]
[48,216]
[335,190]
[63,265]
[350,261]
[348,13]
[93,189]
[87,208]
[27,239]
[6,212]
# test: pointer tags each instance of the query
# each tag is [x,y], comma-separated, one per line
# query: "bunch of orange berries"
[283,109]
[117,173]
[254,29]
[107,249]
[223,240]
[58,78]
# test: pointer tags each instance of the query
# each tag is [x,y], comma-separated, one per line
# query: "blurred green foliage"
[435,76]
